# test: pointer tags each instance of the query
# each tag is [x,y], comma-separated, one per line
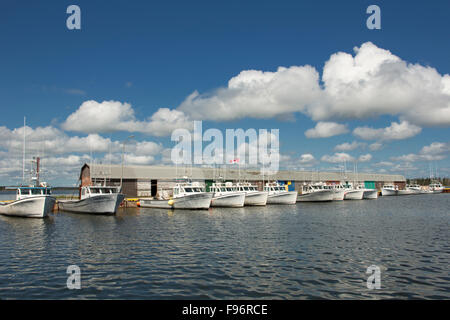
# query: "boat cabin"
[309,188]
[274,188]
[222,188]
[92,191]
[28,192]
[247,188]
[183,189]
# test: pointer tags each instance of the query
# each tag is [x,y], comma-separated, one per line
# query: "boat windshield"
[192,189]
[24,192]
[36,191]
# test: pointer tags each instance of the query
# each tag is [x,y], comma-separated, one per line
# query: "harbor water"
[302,251]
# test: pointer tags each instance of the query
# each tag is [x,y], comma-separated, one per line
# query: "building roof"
[101,171]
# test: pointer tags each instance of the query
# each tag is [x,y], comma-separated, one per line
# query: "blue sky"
[154,54]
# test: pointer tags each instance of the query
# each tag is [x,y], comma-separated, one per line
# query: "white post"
[123,156]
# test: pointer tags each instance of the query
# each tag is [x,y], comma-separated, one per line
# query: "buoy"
[170,202]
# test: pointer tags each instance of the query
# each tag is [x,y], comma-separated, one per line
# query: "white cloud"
[107,116]
[131,159]
[164,121]
[383,164]
[376,82]
[435,148]
[375,146]
[307,160]
[112,116]
[338,158]
[434,152]
[373,82]
[346,146]
[326,130]
[365,157]
[396,131]
[62,155]
[257,94]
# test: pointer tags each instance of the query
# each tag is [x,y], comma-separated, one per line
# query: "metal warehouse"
[144,181]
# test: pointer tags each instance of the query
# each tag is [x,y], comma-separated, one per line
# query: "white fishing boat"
[278,194]
[436,187]
[338,191]
[94,200]
[31,202]
[405,192]
[353,194]
[315,193]
[253,197]
[226,195]
[415,188]
[389,190]
[370,194]
[184,196]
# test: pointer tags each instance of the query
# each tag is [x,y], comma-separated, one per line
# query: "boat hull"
[101,204]
[338,194]
[354,195]
[33,207]
[405,192]
[318,196]
[256,198]
[233,200]
[388,192]
[370,194]
[193,201]
[289,197]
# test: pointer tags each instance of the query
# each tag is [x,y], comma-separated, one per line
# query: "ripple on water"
[305,251]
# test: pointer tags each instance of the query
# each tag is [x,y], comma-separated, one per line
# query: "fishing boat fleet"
[36,201]
[393,190]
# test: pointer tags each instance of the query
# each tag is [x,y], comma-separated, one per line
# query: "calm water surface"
[315,250]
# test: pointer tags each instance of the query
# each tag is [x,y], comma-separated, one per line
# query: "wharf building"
[146,181]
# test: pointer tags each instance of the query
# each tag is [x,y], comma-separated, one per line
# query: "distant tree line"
[427,181]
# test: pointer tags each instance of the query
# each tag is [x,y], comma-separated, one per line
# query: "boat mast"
[23,160]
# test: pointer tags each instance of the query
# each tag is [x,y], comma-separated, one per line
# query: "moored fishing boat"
[352,193]
[389,190]
[370,194]
[415,188]
[315,193]
[184,196]
[226,195]
[253,197]
[31,202]
[94,200]
[436,187]
[405,192]
[338,191]
[279,195]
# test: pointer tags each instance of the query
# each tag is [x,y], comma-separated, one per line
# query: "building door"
[154,187]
